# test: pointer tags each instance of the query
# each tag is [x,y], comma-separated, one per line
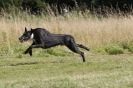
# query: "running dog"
[42,38]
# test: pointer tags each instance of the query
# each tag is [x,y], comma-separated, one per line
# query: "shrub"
[57,52]
[35,6]
[100,50]
[114,49]
[130,49]
[128,46]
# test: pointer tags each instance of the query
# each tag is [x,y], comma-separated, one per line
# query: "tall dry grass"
[90,31]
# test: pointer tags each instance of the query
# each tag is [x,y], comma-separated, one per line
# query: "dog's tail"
[82,46]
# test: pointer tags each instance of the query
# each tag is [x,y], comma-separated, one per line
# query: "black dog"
[44,39]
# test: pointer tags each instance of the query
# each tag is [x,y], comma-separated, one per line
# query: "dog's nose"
[19,38]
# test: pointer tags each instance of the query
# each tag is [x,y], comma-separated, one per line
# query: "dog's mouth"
[21,41]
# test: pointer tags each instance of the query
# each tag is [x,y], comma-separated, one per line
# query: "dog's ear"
[25,29]
[31,30]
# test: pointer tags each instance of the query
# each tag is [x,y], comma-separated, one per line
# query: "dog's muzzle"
[23,39]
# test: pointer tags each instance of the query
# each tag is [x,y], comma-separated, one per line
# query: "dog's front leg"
[37,46]
[29,50]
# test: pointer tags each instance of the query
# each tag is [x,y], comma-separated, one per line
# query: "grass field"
[100,71]
[58,67]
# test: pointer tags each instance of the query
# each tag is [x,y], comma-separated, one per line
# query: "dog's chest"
[32,36]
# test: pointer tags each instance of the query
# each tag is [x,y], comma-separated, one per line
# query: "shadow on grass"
[32,63]
[25,63]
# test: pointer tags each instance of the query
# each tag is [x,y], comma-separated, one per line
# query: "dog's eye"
[25,34]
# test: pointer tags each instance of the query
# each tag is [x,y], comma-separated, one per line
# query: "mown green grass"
[100,71]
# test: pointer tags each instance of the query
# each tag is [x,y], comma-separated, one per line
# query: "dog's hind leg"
[73,47]
[76,50]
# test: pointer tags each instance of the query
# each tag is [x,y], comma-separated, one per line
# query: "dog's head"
[27,35]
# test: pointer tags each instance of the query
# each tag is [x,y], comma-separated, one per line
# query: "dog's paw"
[25,52]
[30,53]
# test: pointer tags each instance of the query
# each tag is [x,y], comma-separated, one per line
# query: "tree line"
[39,6]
